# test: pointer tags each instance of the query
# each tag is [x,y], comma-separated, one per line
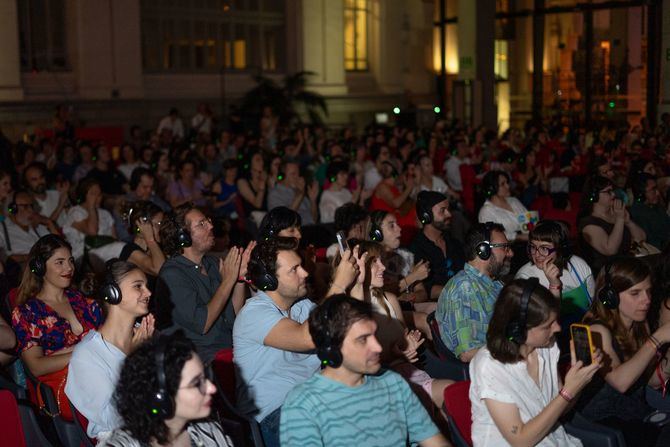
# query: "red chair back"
[10,421]
[459,409]
[468,181]
[224,368]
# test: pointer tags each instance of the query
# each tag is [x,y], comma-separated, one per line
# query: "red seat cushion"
[10,421]
[457,404]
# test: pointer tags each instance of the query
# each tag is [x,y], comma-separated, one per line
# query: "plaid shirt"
[464,309]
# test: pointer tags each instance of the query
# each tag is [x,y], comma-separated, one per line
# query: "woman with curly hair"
[162,391]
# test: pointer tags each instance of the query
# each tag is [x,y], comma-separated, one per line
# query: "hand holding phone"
[581,336]
[341,241]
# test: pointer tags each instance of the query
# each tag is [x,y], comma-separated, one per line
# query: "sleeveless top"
[594,258]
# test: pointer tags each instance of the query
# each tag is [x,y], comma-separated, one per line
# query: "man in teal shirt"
[465,305]
[352,402]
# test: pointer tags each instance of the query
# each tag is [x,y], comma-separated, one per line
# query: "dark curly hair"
[134,211]
[277,219]
[349,215]
[264,256]
[170,227]
[138,381]
[330,322]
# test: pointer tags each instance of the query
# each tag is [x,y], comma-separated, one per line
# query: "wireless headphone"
[13,208]
[516,329]
[183,236]
[608,295]
[424,213]
[162,404]
[490,183]
[262,278]
[639,187]
[483,248]
[109,291]
[376,234]
[38,266]
[328,353]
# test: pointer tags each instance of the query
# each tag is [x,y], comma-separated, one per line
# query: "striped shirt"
[382,412]
[203,434]
[464,309]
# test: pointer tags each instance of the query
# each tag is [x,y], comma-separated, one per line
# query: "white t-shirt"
[49,204]
[332,200]
[76,237]
[175,126]
[20,240]
[508,219]
[510,383]
[577,269]
[372,178]
[438,186]
[453,168]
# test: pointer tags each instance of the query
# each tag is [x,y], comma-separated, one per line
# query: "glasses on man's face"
[504,245]
[203,223]
[200,382]
[541,250]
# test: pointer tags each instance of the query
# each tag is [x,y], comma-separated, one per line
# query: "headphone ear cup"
[184,238]
[37,267]
[376,234]
[268,282]
[484,251]
[330,356]
[514,333]
[110,293]
[609,297]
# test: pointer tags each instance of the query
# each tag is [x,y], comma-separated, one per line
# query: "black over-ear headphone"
[183,236]
[109,291]
[13,208]
[484,247]
[516,329]
[376,234]
[328,353]
[262,278]
[608,294]
[162,404]
[38,266]
[424,213]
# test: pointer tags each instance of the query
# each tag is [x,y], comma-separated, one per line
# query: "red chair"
[468,181]
[459,412]
[224,370]
[10,421]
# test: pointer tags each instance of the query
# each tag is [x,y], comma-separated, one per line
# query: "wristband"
[654,342]
[565,395]
[553,287]
[338,287]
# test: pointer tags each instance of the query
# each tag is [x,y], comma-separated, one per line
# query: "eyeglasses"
[200,382]
[203,223]
[541,250]
[504,245]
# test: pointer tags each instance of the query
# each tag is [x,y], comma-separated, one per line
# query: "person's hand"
[347,270]
[551,271]
[579,375]
[619,210]
[419,272]
[360,261]
[246,255]
[230,267]
[313,191]
[146,229]
[143,332]
[662,334]
[413,339]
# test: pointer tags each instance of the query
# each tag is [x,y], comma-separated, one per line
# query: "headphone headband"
[162,405]
[516,329]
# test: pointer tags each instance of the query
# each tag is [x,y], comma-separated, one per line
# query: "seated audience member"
[5,192]
[401,276]
[164,398]
[605,228]
[111,181]
[434,245]
[7,342]
[380,154]
[648,211]
[50,202]
[659,315]
[24,226]
[129,160]
[272,345]
[226,191]
[142,187]
[500,207]
[516,392]
[253,186]
[338,193]
[87,162]
[97,359]
[88,219]
[292,192]
[171,125]
[460,155]
[350,402]
[50,318]
[280,221]
[352,220]
[428,181]
[145,220]
[399,345]
[202,291]
[186,187]
[388,197]
[466,302]
[616,397]
[568,277]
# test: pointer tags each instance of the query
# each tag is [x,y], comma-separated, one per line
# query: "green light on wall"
[437,109]
[396,110]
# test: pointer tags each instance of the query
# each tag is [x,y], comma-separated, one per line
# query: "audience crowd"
[196,266]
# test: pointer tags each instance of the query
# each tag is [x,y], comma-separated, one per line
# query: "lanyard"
[586,289]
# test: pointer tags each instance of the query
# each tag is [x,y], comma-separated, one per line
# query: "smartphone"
[341,241]
[581,336]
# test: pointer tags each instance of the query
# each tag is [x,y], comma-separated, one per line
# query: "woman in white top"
[98,357]
[87,218]
[567,277]
[516,393]
[500,207]
[338,193]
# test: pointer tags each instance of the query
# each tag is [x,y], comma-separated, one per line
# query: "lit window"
[356,35]
[42,34]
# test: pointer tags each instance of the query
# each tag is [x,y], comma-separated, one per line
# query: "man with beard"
[50,203]
[466,303]
[273,349]
[434,244]
[201,292]
[352,402]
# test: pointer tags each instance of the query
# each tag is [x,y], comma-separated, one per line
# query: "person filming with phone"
[632,361]
[516,392]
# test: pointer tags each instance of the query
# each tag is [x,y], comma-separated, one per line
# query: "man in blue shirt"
[352,402]
[465,305]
